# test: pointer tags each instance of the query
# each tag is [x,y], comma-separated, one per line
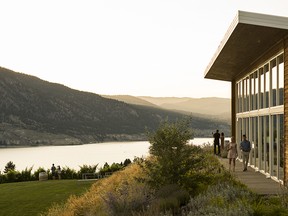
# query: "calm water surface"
[75,156]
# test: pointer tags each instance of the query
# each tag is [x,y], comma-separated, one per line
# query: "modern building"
[253,56]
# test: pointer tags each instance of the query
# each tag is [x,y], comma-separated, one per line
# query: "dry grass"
[98,201]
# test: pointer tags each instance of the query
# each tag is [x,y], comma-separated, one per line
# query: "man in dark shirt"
[216,141]
[53,171]
[245,147]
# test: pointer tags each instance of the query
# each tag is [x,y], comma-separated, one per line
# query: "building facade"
[253,56]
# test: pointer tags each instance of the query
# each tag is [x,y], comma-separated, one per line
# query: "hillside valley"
[37,112]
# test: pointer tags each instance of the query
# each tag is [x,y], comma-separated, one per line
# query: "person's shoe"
[245,169]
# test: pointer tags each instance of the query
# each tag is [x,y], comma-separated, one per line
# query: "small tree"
[171,155]
[127,162]
[10,166]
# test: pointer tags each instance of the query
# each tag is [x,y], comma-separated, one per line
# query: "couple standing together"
[245,147]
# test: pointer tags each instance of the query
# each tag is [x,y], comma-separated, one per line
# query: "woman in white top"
[232,153]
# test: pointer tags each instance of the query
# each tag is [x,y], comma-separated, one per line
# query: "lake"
[75,156]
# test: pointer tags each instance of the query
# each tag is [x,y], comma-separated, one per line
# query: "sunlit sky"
[118,47]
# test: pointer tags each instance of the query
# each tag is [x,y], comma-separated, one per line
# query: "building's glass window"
[239,134]
[261,90]
[260,138]
[262,132]
[280,125]
[252,97]
[251,135]
[266,143]
[256,90]
[256,146]
[281,79]
[246,127]
[275,144]
[252,140]
[274,81]
[267,85]
[240,96]
[244,95]
[248,93]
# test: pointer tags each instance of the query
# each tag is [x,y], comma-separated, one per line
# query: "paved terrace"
[255,181]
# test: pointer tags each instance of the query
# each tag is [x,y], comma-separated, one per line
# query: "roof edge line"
[263,20]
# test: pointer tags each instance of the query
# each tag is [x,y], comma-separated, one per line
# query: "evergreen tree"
[9,167]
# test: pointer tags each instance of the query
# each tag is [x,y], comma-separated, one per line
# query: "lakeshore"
[74,156]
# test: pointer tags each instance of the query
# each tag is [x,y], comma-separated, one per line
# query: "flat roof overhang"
[249,36]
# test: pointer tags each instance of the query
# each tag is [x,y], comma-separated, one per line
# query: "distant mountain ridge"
[37,112]
[212,107]
[131,100]
[207,106]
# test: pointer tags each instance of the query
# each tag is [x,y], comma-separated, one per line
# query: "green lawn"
[32,198]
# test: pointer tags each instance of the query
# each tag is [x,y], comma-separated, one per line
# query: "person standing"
[222,139]
[245,147]
[53,171]
[216,141]
[58,172]
[232,153]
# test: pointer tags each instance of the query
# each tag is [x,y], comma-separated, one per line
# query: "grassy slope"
[32,198]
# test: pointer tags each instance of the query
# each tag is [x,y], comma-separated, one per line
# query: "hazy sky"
[140,48]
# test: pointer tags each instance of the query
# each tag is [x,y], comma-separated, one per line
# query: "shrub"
[68,173]
[170,198]
[88,168]
[13,176]
[112,168]
[26,175]
[269,205]
[128,198]
[224,198]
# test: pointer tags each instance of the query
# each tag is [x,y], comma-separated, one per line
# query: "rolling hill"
[37,112]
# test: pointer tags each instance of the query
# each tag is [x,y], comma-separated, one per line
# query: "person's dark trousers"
[216,146]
